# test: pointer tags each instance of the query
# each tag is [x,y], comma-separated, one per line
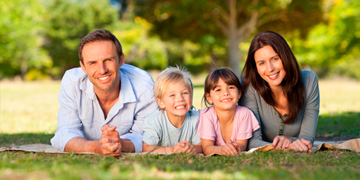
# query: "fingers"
[275,141]
[299,145]
[111,149]
[307,143]
[228,150]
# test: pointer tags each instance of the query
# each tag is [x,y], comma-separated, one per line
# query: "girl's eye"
[217,90]
[232,87]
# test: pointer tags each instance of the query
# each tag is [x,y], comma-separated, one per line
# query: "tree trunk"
[234,54]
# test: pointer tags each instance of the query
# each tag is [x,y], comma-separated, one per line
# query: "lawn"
[28,113]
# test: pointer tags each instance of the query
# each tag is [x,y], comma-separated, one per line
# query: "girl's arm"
[209,148]
[240,145]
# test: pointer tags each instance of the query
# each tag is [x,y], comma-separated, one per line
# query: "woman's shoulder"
[309,79]
[308,75]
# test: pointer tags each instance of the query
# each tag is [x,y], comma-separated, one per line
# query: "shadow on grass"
[339,126]
[24,138]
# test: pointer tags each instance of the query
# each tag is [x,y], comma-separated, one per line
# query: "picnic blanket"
[352,145]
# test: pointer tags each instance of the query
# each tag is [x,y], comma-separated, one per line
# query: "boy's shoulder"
[157,115]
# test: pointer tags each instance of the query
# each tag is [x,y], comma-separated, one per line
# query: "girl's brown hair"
[292,84]
[212,79]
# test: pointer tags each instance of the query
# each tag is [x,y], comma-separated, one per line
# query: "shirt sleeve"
[69,125]
[312,106]
[250,102]
[195,138]
[246,124]
[146,105]
[206,128]
[152,130]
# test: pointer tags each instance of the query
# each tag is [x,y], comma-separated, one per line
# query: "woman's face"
[269,66]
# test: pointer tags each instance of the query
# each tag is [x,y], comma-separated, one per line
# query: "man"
[103,103]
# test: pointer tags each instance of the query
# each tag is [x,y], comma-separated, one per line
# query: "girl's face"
[223,97]
[269,66]
[176,100]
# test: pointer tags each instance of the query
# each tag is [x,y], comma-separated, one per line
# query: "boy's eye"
[185,92]
[171,95]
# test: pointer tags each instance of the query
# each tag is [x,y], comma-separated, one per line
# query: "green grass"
[28,113]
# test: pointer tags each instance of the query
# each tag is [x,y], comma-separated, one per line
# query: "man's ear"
[208,98]
[122,60]
[160,103]
[82,67]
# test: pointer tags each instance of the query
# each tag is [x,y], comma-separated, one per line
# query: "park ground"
[28,115]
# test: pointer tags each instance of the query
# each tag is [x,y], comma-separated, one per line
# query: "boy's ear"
[160,103]
[208,98]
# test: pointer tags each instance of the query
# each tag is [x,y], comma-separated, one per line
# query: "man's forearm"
[79,144]
[127,146]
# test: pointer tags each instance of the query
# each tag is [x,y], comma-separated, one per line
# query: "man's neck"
[107,99]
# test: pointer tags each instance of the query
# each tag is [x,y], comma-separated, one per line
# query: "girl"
[284,98]
[224,128]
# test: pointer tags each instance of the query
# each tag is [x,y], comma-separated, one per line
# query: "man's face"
[101,64]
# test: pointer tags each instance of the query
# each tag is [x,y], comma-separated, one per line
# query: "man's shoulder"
[137,75]
[73,77]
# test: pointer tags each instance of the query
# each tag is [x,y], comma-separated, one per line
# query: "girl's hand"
[228,149]
[301,145]
[282,142]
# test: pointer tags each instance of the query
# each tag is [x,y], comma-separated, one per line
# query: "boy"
[173,127]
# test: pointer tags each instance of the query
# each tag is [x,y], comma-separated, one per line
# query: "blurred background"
[39,38]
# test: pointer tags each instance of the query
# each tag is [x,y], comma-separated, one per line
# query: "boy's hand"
[179,147]
[229,149]
[189,148]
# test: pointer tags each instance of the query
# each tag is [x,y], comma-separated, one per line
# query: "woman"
[284,98]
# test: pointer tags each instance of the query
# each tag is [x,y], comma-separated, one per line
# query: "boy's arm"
[152,148]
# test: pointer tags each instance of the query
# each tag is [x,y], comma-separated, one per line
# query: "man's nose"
[102,68]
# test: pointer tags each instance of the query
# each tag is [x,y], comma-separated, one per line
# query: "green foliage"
[68,22]
[21,26]
[139,49]
[334,46]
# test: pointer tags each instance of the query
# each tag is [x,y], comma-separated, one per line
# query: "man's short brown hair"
[99,35]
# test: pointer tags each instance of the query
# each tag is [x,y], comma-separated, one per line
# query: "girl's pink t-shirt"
[244,124]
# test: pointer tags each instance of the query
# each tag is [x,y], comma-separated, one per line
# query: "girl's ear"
[208,98]
[160,103]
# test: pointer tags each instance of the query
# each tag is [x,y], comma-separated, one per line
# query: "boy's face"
[176,101]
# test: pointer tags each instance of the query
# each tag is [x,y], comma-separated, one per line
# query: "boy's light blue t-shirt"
[159,131]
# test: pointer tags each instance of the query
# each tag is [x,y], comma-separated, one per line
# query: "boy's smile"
[176,101]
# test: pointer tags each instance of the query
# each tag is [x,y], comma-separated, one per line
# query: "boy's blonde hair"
[172,75]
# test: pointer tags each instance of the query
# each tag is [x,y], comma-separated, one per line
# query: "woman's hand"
[282,142]
[301,145]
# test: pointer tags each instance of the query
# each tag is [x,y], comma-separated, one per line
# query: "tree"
[21,26]
[335,44]
[232,20]
[68,22]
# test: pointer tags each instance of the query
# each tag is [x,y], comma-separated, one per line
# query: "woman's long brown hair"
[292,84]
